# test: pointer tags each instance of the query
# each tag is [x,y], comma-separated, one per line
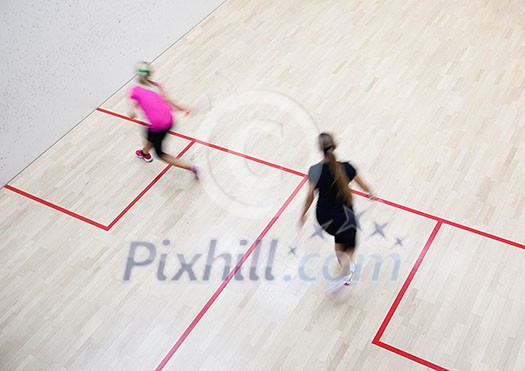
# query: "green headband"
[143,71]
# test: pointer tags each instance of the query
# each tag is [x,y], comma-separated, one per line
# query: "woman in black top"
[334,210]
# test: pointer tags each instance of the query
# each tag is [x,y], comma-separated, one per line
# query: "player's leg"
[342,258]
[348,240]
[144,153]
[147,147]
[172,160]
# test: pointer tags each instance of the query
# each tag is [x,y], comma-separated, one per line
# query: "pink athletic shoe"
[140,154]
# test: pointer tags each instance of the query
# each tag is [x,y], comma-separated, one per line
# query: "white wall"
[62,58]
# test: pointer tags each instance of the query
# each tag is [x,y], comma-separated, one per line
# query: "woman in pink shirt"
[152,99]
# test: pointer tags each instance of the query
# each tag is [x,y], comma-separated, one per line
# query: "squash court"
[110,263]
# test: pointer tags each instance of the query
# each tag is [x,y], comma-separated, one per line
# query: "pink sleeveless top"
[157,111]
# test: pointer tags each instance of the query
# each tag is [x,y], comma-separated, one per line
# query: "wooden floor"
[426,99]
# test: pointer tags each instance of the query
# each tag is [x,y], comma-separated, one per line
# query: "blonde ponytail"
[143,70]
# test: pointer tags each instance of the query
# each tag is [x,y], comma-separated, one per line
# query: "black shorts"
[339,224]
[156,138]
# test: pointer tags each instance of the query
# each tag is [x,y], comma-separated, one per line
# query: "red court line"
[445,221]
[56,207]
[484,234]
[386,202]
[90,221]
[225,283]
[121,116]
[247,157]
[402,353]
[148,187]
[401,207]
[132,203]
[211,145]
[397,301]
[407,282]
[295,172]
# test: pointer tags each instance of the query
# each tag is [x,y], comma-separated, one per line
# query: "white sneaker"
[349,279]
[339,284]
[351,275]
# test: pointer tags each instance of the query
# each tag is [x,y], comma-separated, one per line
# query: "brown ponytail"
[327,145]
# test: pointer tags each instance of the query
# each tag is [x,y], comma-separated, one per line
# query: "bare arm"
[133,106]
[308,202]
[170,101]
[364,186]
[132,109]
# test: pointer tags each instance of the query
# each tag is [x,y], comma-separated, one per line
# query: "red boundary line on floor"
[56,207]
[377,339]
[411,357]
[152,183]
[408,281]
[225,283]
[440,221]
[207,144]
[445,221]
[295,172]
[386,202]
[90,221]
